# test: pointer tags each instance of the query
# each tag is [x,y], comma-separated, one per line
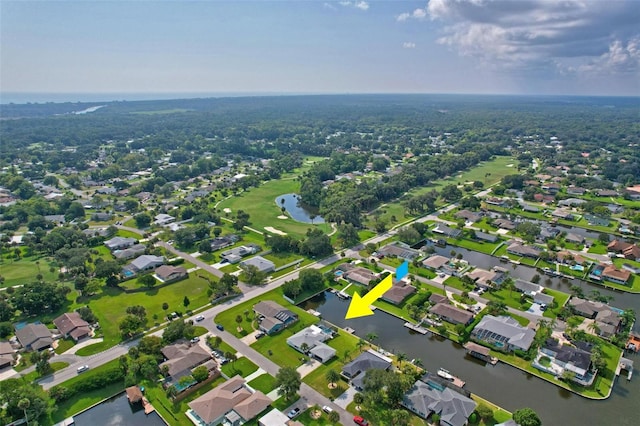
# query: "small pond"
[296,210]
[116,411]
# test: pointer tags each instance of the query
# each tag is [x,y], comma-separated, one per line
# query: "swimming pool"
[579,268]
[127,273]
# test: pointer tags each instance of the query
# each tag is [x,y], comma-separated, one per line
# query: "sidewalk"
[78,346]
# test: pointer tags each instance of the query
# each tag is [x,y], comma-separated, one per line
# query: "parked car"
[195,339]
[327,409]
[291,414]
[260,334]
[200,318]
[220,327]
[360,421]
[83,368]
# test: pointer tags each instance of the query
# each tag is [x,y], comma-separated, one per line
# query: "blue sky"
[436,46]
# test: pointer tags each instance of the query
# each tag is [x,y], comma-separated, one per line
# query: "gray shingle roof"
[509,328]
[454,408]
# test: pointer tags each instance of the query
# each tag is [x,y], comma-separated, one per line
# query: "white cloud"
[358,4]
[408,45]
[329,6]
[419,14]
[571,35]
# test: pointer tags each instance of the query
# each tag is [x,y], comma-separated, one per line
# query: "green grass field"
[242,367]
[16,272]
[261,205]
[110,305]
[264,383]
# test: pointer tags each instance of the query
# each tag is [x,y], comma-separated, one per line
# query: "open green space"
[19,271]
[261,205]
[513,298]
[110,305]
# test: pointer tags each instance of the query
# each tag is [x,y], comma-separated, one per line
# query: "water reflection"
[296,210]
[117,411]
[505,385]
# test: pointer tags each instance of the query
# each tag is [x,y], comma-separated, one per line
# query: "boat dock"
[633,344]
[148,408]
[456,381]
[416,328]
[480,352]
[627,365]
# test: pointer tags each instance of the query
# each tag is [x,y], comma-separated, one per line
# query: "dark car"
[260,335]
[220,327]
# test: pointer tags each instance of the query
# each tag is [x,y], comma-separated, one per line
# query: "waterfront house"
[425,400]
[486,279]
[619,276]
[273,317]
[71,325]
[574,238]
[360,276]
[119,243]
[399,250]
[566,358]
[355,370]
[398,292]
[435,262]
[495,201]
[595,220]
[34,337]
[182,358]
[484,236]
[567,257]
[452,314]
[606,193]
[527,288]
[260,263]
[571,202]
[575,190]
[231,403]
[436,298]
[529,208]
[504,333]
[311,341]
[520,249]
[587,308]
[562,214]
[168,273]
[447,231]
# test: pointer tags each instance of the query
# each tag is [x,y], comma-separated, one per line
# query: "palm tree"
[332,377]
[371,337]
[509,285]
[401,357]
[418,363]
[361,343]
[593,327]
[23,404]
[334,417]
[304,347]
[628,316]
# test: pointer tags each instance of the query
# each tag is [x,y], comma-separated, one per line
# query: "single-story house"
[528,288]
[504,224]
[399,249]
[219,243]
[398,292]
[484,236]
[520,249]
[633,192]
[273,317]
[313,338]
[495,201]
[119,243]
[595,220]
[359,275]
[436,298]
[562,214]
[163,219]
[355,370]
[575,190]
[146,262]
[447,231]
[57,219]
[565,256]
[611,273]
[503,332]
[262,264]
[451,314]
[34,337]
[7,355]
[631,268]
[606,193]
[453,408]
[181,358]
[435,262]
[468,215]
[168,273]
[571,202]
[543,299]
[101,217]
[529,208]
[274,417]
[231,403]
[235,254]
[574,238]
[71,325]
[129,253]
[486,279]
[587,308]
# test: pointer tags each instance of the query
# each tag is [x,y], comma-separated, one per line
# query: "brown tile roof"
[220,400]
[69,321]
[134,394]
[436,261]
[612,272]
[398,292]
[37,336]
[165,271]
[452,313]
[252,406]
[182,357]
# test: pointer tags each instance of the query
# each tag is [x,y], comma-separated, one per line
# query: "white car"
[83,368]
[200,318]
[327,409]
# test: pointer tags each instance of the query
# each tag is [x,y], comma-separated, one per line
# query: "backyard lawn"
[16,272]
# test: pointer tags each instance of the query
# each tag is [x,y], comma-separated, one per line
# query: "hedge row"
[95,381]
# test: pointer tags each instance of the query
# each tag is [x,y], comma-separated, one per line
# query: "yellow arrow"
[359,306]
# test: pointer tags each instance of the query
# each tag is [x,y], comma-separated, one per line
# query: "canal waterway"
[117,411]
[296,210]
[501,384]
